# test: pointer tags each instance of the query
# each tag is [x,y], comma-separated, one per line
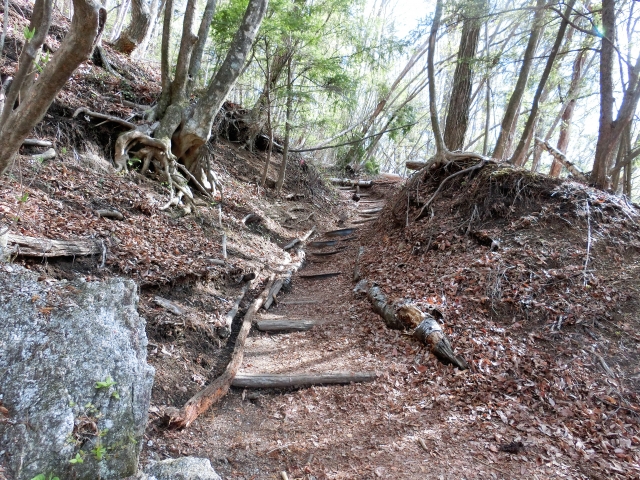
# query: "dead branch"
[285,325]
[46,155]
[347,182]
[110,214]
[204,399]
[225,330]
[102,116]
[561,158]
[415,165]
[300,240]
[265,380]
[35,142]
[169,305]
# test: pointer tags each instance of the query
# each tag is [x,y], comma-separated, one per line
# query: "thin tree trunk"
[198,50]
[265,172]
[156,8]
[433,109]
[5,23]
[567,113]
[487,116]
[287,128]
[520,154]
[458,113]
[120,16]
[513,107]
[623,150]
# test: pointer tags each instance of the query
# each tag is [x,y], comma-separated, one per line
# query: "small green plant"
[24,197]
[115,395]
[42,476]
[77,459]
[108,383]
[63,150]
[134,162]
[99,452]
[42,62]
[29,34]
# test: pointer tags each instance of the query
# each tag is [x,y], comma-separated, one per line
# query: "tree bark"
[609,130]
[86,26]
[198,50]
[458,113]
[134,34]
[120,16]
[24,246]
[433,109]
[513,107]
[287,128]
[519,156]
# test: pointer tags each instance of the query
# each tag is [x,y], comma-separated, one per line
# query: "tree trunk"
[86,26]
[610,131]
[433,109]
[155,12]
[134,34]
[567,114]
[513,107]
[520,154]
[458,113]
[120,16]
[287,128]
[198,50]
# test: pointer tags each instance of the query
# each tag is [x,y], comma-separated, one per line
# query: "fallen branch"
[102,116]
[369,211]
[343,232]
[169,305]
[44,247]
[366,220]
[562,159]
[406,316]
[204,399]
[225,330]
[300,240]
[323,243]
[34,142]
[285,325]
[265,380]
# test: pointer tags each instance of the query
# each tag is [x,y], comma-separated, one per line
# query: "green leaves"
[77,459]
[29,34]
[108,383]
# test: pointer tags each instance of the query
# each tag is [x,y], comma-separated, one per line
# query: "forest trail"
[400,426]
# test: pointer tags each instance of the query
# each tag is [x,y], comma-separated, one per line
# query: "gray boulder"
[184,468]
[73,376]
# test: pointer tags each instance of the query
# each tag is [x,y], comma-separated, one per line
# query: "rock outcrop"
[184,468]
[74,379]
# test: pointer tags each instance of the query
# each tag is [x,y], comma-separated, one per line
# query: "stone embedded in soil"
[185,468]
[59,339]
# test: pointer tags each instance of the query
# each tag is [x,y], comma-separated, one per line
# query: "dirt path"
[408,424]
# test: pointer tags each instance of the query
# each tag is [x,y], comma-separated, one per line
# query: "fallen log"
[24,246]
[369,211]
[343,232]
[415,165]
[204,399]
[426,329]
[300,240]
[102,116]
[347,182]
[46,155]
[265,380]
[285,325]
[224,331]
[275,289]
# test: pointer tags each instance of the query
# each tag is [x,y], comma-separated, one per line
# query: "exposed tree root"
[102,116]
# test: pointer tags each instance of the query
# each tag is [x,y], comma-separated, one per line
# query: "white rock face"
[185,468]
[58,341]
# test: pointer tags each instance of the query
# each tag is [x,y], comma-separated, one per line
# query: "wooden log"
[415,165]
[102,116]
[300,240]
[320,276]
[425,328]
[285,325]
[24,246]
[110,214]
[265,380]
[323,243]
[204,399]
[366,220]
[323,254]
[224,331]
[368,211]
[47,155]
[347,182]
[343,232]
[277,285]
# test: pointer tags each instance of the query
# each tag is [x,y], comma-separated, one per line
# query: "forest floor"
[537,282]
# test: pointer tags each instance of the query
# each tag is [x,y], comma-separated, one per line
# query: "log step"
[358,222]
[45,247]
[322,244]
[343,232]
[320,276]
[265,380]
[323,254]
[285,325]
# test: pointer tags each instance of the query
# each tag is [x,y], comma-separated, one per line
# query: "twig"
[102,116]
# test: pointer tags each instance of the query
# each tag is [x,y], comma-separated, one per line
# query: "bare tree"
[37,94]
